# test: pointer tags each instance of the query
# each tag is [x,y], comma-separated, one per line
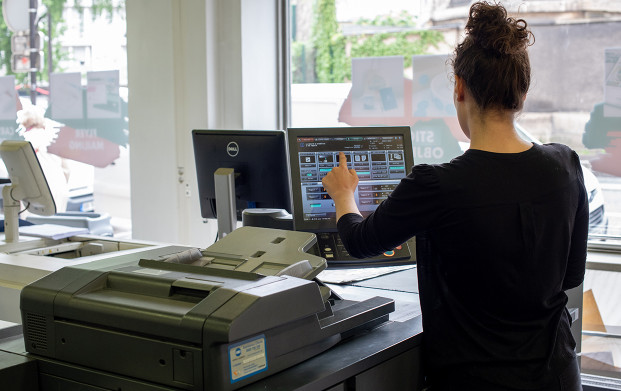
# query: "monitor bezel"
[279,135]
[299,224]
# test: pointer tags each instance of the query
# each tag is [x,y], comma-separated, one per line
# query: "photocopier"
[218,318]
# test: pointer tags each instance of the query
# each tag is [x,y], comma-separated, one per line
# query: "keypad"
[332,249]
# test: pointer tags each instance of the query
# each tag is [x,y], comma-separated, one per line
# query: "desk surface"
[347,359]
[355,355]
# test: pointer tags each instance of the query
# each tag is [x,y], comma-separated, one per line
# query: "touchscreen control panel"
[379,161]
[381,156]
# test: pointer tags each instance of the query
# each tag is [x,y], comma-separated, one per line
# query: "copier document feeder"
[217,318]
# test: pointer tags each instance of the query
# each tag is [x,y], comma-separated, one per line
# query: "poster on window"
[8,98]
[603,129]
[92,126]
[612,83]
[102,94]
[66,97]
[432,90]
[9,104]
[377,87]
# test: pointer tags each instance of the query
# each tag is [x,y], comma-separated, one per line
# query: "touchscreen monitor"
[381,156]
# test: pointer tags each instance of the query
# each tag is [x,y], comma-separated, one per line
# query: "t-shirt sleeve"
[413,205]
[576,262]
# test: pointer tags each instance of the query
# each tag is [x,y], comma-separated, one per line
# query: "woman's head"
[492,60]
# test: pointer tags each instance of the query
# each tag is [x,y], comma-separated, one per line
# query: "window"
[372,63]
[89,75]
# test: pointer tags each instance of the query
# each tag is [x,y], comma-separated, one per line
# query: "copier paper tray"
[217,318]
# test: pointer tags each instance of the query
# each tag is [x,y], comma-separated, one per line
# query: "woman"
[501,230]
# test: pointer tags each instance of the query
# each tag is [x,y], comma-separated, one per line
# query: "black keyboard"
[330,247]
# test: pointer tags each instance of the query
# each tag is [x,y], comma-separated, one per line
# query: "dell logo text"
[232,149]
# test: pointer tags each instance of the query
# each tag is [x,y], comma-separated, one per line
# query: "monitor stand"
[224,183]
[11,215]
[267,218]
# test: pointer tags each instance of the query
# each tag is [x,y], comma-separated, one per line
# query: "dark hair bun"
[489,27]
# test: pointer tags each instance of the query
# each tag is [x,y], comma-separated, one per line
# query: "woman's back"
[493,267]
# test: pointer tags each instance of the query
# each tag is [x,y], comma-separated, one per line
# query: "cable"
[214,213]
[23,210]
[212,204]
[13,198]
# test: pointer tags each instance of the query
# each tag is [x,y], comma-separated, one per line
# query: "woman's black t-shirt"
[499,237]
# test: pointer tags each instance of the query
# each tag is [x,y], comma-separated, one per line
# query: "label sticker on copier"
[247,358]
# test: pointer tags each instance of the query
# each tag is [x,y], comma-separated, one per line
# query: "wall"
[167,99]
[192,64]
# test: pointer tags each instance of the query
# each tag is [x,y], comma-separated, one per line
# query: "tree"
[55,9]
[329,44]
[407,42]
[333,51]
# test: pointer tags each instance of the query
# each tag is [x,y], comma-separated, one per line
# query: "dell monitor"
[251,164]
[381,156]
[28,185]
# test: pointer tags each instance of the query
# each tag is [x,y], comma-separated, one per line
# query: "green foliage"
[403,43]
[328,43]
[5,47]
[333,63]
[301,63]
[404,19]
[407,42]
[55,8]
[100,7]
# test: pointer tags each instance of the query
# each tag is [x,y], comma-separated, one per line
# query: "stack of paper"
[51,231]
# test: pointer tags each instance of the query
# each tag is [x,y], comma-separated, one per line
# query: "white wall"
[188,69]
[167,99]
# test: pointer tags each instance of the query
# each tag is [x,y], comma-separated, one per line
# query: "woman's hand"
[341,184]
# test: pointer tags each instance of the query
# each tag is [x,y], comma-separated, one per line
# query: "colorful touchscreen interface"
[378,160]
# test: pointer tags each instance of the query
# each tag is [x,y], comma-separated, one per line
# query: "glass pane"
[601,322]
[388,63]
[77,117]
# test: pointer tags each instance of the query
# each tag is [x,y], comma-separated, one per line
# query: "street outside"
[611,187]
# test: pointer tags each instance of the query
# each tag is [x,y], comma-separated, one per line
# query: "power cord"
[23,210]
[13,198]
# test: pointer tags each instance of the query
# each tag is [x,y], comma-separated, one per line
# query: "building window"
[385,63]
